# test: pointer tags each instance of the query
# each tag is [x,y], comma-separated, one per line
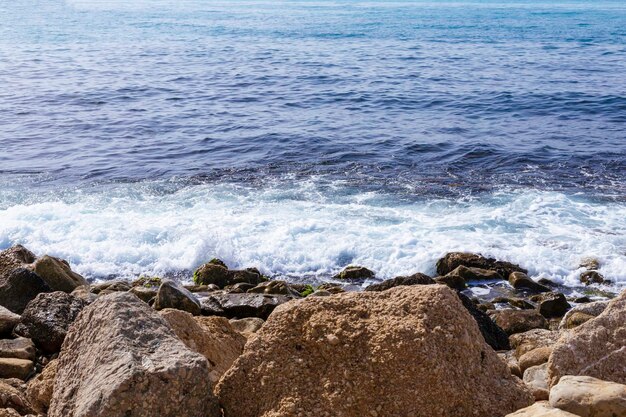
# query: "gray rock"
[589,397]
[20,287]
[242,305]
[536,378]
[121,358]
[8,320]
[582,313]
[453,259]
[173,295]
[415,279]
[518,321]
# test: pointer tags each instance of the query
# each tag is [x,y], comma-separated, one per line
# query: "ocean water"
[146,137]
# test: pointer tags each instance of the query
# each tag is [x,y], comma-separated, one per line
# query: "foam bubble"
[300,229]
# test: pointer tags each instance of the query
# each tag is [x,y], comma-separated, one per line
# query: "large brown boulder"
[47,318]
[596,348]
[405,351]
[121,359]
[454,259]
[57,274]
[212,337]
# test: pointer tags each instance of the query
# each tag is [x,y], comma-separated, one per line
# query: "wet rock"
[454,259]
[596,348]
[213,273]
[475,274]
[274,287]
[551,304]
[518,321]
[145,294]
[536,378]
[535,357]
[47,318]
[12,397]
[248,326]
[212,337]
[415,279]
[582,313]
[354,273]
[330,355]
[173,295]
[20,348]
[591,277]
[589,397]
[8,320]
[514,302]
[57,274]
[491,332]
[541,409]
[239,287]
[453,281]
[242,305]
[533,339]
[121,358]
[20,287]
[39,389]
[521,281]
[16,368]
[331,288]
[582,300]
[548,283]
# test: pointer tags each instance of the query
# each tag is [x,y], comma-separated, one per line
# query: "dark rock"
[47,318]
[173,295]
[219,262]
[240,287]
[211,273]
[415,279]
[19,288]
[242,305]
[275,287]
[148,282]
[57,274]
[521,281]
[475,274]
[452,260]
[514,302]
[8,321]
[453,281]
[518,321]
[591,277]
[582,300]
[15,257]
[354,273]
[492,333]
[551,304]
[201,288]
[331,288]
[548,283]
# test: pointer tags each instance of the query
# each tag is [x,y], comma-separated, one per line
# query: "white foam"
[300,229]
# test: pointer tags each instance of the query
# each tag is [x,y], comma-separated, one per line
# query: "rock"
[39,389]
[532,339]
[240,287]
[20,348]
[456,282]
[212,337]
[121,358]
[536,378]
[341,355]
[492,333]
[16,368]
[274,287]
[521,281]
[84,293]
[596,348]
[331,288]
[511,362]
[591,277]
[148,282]
[145,294]
[547,283]
[518,321]
[14,257]
[475,274]
[8,320]
[248,326]
[13,398]
[19,287]
[203,288]
[212,273]
[57,274]
[585,396]
[582,313]
[110,286]
[535,357]
[242,305]
[540,409]
[320,293]
[415,279]
[173,295]
[454,259]
[354,273]
[551,304]
[514,302]
[47,318]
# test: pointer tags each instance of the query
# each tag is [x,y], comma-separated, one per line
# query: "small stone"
[455,282]
[585,396]
[20,348]
[274,287]
[591,277]
[518,321]
[475,274]
[353,273]
[415,279]
[145,294]
[173,295]
[521,281]
[16,368]
[551,304]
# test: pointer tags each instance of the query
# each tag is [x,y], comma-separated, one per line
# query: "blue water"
[299,136]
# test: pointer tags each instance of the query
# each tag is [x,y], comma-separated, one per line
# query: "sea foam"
[299,229]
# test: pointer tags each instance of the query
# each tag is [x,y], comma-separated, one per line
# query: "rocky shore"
[238,344]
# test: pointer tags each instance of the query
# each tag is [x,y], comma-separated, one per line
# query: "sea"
[145,137]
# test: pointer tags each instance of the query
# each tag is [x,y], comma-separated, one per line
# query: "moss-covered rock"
[354,272]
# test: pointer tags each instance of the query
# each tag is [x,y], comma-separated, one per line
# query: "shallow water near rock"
[148,137]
